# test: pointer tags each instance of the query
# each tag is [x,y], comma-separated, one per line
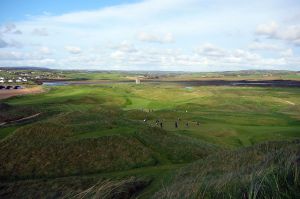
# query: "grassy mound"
[10,113]
[269,170]
[176,148]
[47,150]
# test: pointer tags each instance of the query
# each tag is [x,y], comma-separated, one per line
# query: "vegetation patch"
[45,150]
[269,170]
[176,148]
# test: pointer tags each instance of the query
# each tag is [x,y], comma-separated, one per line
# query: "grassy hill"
[93,139]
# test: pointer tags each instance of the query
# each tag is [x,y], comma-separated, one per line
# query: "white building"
[10,81]
[18,80]
[1,80]
[137,81]
[24,80]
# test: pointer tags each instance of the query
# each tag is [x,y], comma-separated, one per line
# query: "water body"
[189,84]
[55,83]
[245,83]
[64,83]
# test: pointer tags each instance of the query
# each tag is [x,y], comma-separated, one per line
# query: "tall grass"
[112,189]
[269,170]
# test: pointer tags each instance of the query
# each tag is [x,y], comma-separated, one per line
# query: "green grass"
[97,132]
[46,150]
[96,75]
[5,131]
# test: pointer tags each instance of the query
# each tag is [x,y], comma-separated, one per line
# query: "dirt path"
[291,103]
[285,101]
[20,120]
[15,92]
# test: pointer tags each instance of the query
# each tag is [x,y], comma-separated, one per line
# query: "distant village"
[23,77]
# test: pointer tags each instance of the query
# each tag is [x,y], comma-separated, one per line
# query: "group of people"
[160,123]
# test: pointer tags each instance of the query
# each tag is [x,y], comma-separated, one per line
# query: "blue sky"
[185,35]
[12,10]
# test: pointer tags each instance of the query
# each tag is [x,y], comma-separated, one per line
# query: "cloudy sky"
[185,35]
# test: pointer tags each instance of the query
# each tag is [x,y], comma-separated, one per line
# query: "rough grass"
[10,113]
[176,148]
[45,150]
[269,170]
[75,187]
[117,189]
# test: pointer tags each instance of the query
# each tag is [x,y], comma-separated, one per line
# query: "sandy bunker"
[5,93]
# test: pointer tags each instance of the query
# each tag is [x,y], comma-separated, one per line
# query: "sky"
[167,35]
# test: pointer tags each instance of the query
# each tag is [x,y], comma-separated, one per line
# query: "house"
[18,80]
[1,80]
[10,81]
[24,80]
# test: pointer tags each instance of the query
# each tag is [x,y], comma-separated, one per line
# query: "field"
[106,141]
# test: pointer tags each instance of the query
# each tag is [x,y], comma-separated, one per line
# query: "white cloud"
[11,55]
[17,32]
[124,46]
[290,33]
[264,46]
[10,28]
[245,55]
[210,50]
[287,53]
[73,49]
[28,62]
[3,43]
[19,55]
[45,50]
[40,32]
[12,43]
[156,38]
[15,44]
[269,29]
[118,55]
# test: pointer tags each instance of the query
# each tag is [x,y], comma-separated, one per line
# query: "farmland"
[96,138]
